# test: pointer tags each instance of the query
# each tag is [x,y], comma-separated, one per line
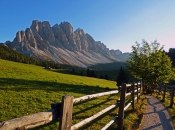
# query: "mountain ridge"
[62,44]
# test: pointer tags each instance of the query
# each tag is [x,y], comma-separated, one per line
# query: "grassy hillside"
[28,89]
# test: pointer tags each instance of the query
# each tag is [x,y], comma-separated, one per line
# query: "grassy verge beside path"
[167,104]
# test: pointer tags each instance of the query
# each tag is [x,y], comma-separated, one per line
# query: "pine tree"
[106,77]
[73,70]
[92,73]
[101,76]
[88,72]
[81,73]
[122,77]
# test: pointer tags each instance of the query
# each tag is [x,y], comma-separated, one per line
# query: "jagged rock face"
[115,52]
[119,55]
[62,44]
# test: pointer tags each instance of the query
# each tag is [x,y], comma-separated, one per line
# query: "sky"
[116,23]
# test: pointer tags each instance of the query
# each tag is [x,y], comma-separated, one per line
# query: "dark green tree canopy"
[171,54]
[122,77]
[148,62]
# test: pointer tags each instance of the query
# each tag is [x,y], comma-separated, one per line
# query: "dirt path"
[156,116]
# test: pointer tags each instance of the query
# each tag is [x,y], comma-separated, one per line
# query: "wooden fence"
[63,110]
[170,90]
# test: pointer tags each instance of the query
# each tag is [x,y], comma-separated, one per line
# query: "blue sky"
[116,23]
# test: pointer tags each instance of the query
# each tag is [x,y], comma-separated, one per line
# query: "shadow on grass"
[55,124]
[52,126]
[68,72]
[61,71]
[20,85]
[89,108]
[95,121]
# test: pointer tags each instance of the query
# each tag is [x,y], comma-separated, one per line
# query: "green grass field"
[27,89]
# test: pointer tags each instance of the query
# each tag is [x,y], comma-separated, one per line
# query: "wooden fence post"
[137,91]
[141,87]
[66,113]
[164,92]
[133,94]
[121,107]
[172,96]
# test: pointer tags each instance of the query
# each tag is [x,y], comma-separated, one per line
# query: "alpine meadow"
[28,89]
[87,65]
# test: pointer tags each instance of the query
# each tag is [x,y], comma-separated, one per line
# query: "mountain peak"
[62,44]
[79,31]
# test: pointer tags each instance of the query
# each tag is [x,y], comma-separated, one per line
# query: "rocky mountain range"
[62,44]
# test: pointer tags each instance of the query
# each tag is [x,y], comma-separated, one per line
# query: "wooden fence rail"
[122,107]
[31,121]
[63,110]
[172,96]
[87,97]
[171,92]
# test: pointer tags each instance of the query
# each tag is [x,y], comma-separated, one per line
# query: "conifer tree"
[122,77]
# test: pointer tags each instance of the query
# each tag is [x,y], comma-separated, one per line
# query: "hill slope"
[27,89]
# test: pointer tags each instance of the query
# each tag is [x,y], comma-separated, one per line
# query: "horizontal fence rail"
[169,89]
[64,109]
[113,120]
[78,125]
[87,97]
[129,104]
[109,124]
[30,121]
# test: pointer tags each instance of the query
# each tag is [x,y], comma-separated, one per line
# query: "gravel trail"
[156,116]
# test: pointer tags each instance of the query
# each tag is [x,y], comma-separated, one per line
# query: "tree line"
[90,73]
[7,53]
[147,62]
[171,54]
[151,64]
